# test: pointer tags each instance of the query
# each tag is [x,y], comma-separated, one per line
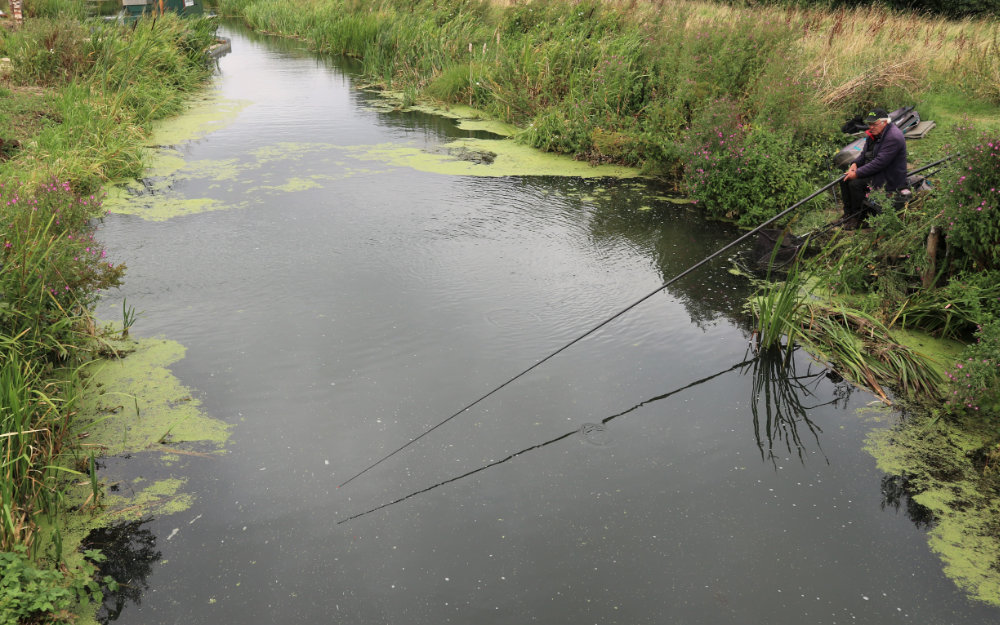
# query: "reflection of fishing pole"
[549,442]
[677,277]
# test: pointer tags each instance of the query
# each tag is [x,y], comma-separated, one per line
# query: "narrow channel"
[336,299]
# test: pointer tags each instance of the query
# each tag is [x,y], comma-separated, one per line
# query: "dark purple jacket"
[883,160]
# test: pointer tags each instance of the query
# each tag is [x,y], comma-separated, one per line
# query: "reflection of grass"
[781,393]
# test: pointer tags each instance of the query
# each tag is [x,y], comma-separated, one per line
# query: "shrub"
[744,173]
[974,382]
[971,200]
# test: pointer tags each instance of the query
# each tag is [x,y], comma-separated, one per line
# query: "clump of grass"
[863,349]
[856,343]
[71,9]
[777,310]
[46,51]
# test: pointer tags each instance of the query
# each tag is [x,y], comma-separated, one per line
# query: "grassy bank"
[76,102]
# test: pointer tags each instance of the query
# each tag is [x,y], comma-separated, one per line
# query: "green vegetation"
[76,102]
[949,8]
[32,595]
[700,94]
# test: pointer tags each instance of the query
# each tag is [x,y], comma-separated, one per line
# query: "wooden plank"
[920,130]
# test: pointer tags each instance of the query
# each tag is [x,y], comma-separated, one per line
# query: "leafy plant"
[974,382]
[29,594]
[744,173]
[971,200]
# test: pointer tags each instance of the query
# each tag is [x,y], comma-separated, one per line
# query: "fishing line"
[604,421]
[600,325]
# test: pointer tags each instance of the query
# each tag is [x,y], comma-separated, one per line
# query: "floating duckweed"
[936,457]
[166,411]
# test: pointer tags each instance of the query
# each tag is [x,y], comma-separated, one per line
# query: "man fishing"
[882,163]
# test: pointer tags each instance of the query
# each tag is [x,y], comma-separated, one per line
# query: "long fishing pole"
[596,328]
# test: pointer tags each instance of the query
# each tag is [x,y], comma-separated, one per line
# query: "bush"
[974,383]
[744,173]
[970,195]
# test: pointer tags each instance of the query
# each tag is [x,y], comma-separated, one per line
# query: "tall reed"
[778,309]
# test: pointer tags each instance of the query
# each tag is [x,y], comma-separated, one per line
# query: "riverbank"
[689,95]
[76,103]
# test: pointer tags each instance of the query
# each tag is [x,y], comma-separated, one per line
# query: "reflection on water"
[782,400]
[130,551]
[897,492]
[596,434]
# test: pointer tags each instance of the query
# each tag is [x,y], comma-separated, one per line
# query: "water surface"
[335,306]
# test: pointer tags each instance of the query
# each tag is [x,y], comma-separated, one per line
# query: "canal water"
[337,301]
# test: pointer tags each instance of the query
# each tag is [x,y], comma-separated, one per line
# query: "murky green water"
[336,301]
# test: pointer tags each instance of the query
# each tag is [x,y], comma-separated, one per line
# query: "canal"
[343,278]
